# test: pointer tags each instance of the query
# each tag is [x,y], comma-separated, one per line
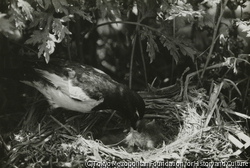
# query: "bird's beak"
[137,113]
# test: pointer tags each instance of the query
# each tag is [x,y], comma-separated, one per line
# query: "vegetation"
[189,59]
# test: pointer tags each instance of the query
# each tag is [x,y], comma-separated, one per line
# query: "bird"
[148,136]
[78,87]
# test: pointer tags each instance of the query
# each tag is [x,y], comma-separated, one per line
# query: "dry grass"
[195,130]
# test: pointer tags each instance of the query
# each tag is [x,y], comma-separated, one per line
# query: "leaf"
[8,28]
[81,13]
[184,10]
[171,45]
[165,6]
[230,82]
[190,52]
[26,8]
[45,41]
[59,30]
[46,48]
[37,37]
[178,47]
[65,19]
[174,52]
[50,45]
[64,2]
[59,6]
[151,51]
[42,50]
[109,9]
[147,8]
[47,4]
[185,47]
[152,46]
[40,3]
[40,20]
[247,29]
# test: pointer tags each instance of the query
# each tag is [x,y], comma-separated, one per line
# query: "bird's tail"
[19,74]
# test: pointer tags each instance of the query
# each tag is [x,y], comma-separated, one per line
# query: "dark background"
[143,44]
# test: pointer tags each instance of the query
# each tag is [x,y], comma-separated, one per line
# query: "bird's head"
[132,106]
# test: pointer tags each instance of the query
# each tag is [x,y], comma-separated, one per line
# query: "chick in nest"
[147,137]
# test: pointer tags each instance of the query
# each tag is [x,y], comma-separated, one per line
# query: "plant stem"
[189,76]
[132,23]
[173,62]
[246,93]
[133,53]
[131,62]
[214,36]
[78,39]
[143,63]
[68,44]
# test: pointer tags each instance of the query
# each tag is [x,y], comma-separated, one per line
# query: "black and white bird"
[80,88]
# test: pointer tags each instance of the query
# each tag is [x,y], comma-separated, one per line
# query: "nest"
[195,132]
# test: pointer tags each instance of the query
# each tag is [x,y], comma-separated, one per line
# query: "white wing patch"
[57,98]
[65,86]
[76,92]
[97,70]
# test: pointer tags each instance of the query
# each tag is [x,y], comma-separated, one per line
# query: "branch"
[189,76]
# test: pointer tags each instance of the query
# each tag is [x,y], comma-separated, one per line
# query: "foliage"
[6,27]
[151,44]
[246,24]
[156,42]
[48,25]
[47,29]
[170,12]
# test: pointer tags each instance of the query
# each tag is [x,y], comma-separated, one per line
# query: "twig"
[131,62]
[173,61]
[59,123]
[24,46]
[132,54]
[143,63]
[132,23]
[214,36]
[189,76]
[246,93]
[213,102]
[156,116]
[181,80]
[3,143]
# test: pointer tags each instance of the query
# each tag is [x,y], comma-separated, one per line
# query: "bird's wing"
[65,85]
[78,81]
